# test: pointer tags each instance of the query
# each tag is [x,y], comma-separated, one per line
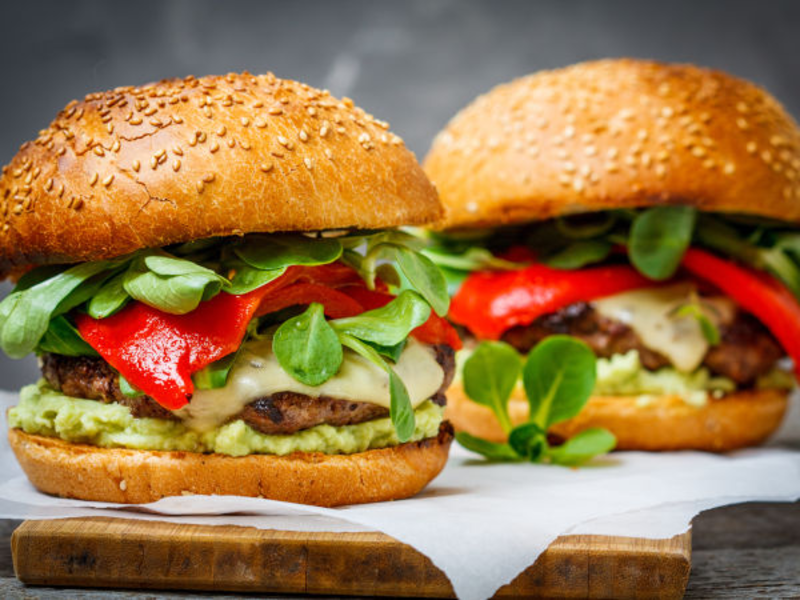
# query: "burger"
[650,210]
[210,273]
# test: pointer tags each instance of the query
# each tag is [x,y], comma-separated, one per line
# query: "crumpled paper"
[482,524]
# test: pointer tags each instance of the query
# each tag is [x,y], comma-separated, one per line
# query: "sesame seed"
[201,137]
[77,203]
[612,153]
[569,167]
[260,123]
[309,163]
[742,107]
[777,140]
[209,177]
[136,120]
[48,186]
[729,168]
[741,123]
[231,142]
[245,121]
[200,185]
[323,131]
[98,150]
[766,156]
[107,180]
[94,179]
[328,154]
[153,162]
[569,131]
[698,151]
[266,167]
[303,136]
[244,144]
[709,163]
[115,146]
[176,164]
[751,147]
[642,134]
[667,112]
[578,185]
[136,165]
[160,153]
[590,150]
[177,150]
[661,171]
[213,147]
[275,110]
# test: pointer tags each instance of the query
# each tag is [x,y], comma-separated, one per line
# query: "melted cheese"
[256,374]
[650,313]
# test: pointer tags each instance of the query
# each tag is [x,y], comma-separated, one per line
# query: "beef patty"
[746,349]
[280,413]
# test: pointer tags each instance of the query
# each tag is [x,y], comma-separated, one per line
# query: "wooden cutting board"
[120,553]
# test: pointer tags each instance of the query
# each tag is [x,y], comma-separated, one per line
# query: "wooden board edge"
[105,552]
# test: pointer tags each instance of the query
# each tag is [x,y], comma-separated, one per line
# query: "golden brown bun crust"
[614,134]
[191,158]
[734,421]
[138,476]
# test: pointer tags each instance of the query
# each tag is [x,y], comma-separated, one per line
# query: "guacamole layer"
[45,411]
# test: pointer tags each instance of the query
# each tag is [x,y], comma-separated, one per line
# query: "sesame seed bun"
[138,476]
[617,134]
[186,159]
[737,420]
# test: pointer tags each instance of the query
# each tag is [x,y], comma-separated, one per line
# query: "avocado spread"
[45,411]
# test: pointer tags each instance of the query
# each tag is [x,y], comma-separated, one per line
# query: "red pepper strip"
[756,292]
[337,304]
[491,302]
[435,330]
[157,352]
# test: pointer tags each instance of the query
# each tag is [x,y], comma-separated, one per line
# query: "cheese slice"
[257,373]
[650,313]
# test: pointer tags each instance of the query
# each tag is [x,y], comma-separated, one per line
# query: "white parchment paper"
[482,524]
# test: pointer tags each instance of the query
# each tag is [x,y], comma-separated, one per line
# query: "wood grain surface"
[118,553]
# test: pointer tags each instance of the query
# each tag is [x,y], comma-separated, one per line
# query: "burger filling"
[262,344]
[670,301]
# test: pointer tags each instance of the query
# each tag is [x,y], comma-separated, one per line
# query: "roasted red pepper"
[157,352]
[756,292]
[491,302]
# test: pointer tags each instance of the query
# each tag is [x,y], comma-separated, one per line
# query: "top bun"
[185,159]
[617,134]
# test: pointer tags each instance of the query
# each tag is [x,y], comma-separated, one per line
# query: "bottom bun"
[140,476]
[734,421]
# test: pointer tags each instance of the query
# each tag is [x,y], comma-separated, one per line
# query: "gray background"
[411,63]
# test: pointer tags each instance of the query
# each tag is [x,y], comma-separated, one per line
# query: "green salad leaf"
[270,252]
[490,375]
[658,239]
[583,447]
[558,377]
[109,299]
[308,348]
[390,324]
[400,410]
[61,337]
[25,315]
[216,374]
[579,254]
